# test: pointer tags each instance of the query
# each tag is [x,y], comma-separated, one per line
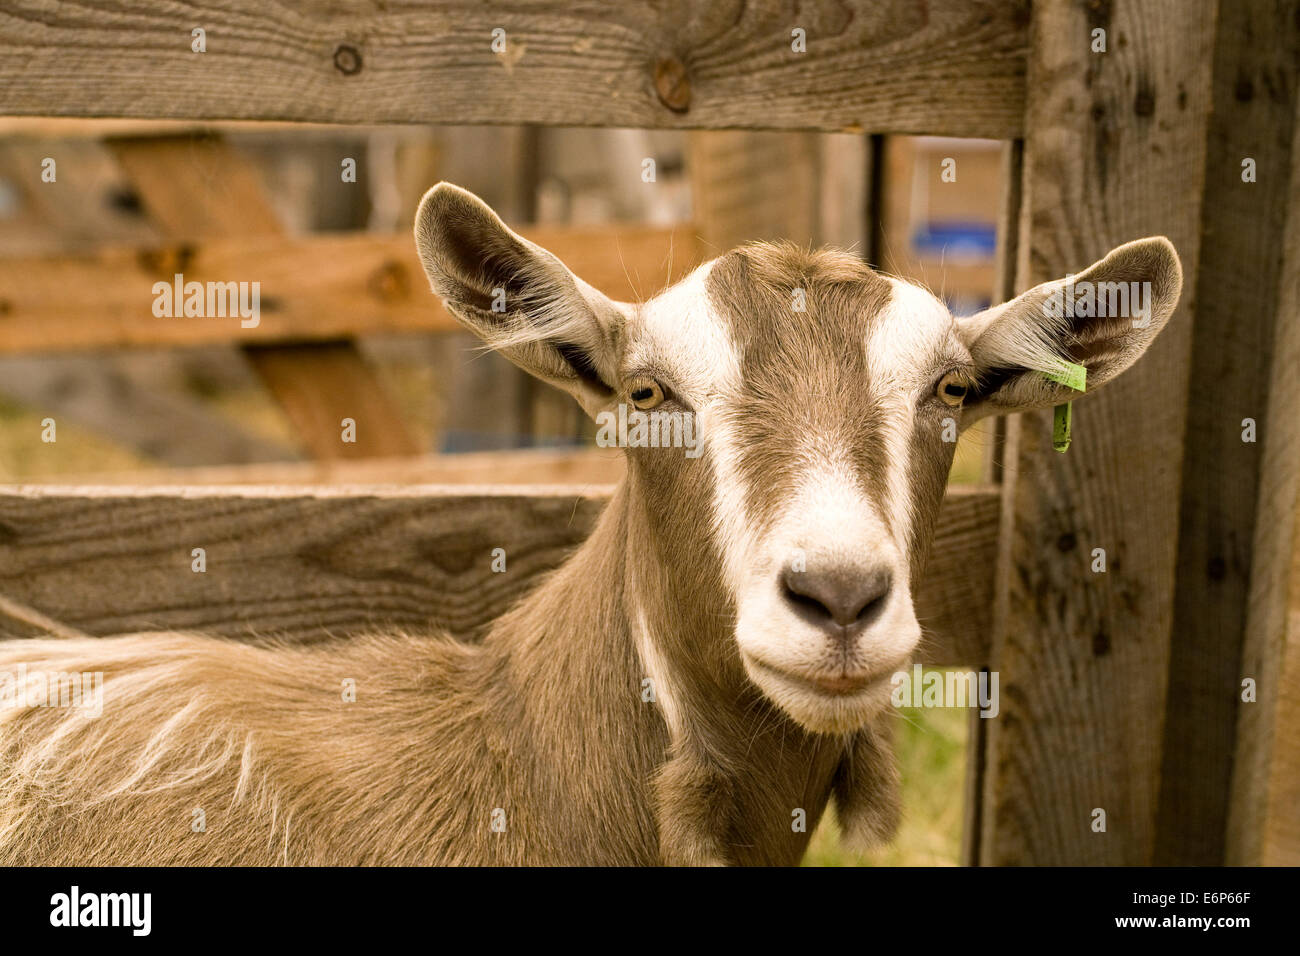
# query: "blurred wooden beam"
[320,385]
[808,188]
[747,186]
[201,186]
[89,203]
[528,466]
[314,288]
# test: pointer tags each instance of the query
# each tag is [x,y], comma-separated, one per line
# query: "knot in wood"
[672,84]
[390,282]
[347,59]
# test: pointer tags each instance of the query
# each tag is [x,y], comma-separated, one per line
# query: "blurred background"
[91,212]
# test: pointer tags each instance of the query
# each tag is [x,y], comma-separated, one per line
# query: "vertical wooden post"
[873,230]
[1008,255]
[1264,812]
[1013,157]
[747,185]
[1237,324]
[1115,147]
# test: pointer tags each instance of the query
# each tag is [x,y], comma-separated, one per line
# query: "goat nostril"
[837,596]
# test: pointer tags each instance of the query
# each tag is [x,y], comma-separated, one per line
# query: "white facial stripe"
[831,519]
[707,363]
[656,668]
[908,327]
[706,359]
[896,436]
[839,525]
[694,342]
[735,532]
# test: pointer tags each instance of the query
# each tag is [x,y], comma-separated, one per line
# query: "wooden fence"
[1120,691]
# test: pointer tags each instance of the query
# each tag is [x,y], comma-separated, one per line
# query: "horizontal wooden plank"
[305,562]
[312,288]
[948,66]
[528,466]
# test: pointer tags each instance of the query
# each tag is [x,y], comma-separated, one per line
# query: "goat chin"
[819,711]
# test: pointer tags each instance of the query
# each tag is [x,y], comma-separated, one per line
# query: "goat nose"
[842,596]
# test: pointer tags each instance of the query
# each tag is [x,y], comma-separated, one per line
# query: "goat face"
[790,419]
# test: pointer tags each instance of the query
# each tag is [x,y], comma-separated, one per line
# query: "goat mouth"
[841,686]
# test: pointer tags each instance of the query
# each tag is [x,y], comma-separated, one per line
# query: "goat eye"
[645,393]
[952,389]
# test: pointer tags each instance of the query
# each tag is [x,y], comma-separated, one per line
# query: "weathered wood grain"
[45,127]
[301,563]
[1114,149]
[954,601]
[1264,813]
[950,66]
[1238,323]
[312,288]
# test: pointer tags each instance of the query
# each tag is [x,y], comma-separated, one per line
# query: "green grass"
[931,747]
[972,447]
[24,457]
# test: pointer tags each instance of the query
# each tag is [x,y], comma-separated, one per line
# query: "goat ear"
[517,297]
[1103,319]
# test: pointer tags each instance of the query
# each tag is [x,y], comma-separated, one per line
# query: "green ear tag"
[1061,427]
[1071,376]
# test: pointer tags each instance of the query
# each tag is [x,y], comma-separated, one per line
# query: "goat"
[712,661]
